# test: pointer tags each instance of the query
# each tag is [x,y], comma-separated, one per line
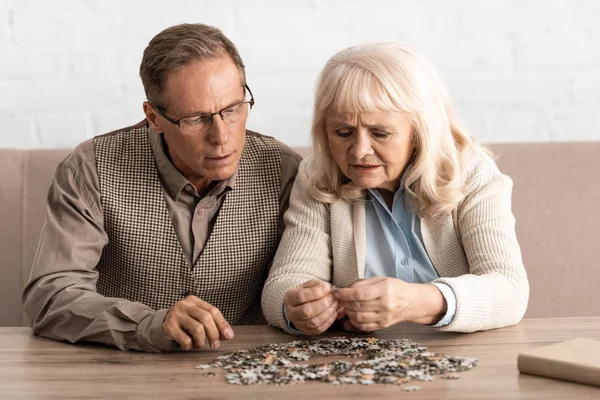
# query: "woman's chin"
[366,184]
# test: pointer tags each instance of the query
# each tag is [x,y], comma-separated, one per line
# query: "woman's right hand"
[311,307]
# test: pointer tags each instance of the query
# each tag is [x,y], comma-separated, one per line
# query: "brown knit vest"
[143,261]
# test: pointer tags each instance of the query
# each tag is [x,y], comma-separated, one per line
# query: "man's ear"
[151,117]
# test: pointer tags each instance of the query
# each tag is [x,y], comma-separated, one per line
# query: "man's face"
[202,88]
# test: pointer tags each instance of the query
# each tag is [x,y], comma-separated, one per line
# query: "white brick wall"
[518,70]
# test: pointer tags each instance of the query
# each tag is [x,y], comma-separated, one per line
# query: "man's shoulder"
[77,171]
[82,154]
[140,125]
[288,155]
[82,160]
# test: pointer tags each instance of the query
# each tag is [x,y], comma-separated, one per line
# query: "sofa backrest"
[24,180]
[556,202]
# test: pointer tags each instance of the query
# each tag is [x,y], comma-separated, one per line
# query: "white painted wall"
[518,70]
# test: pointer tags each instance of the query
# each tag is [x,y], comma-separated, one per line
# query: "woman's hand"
[311,307]
[380,302]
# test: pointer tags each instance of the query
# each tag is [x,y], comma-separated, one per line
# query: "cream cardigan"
[474,250]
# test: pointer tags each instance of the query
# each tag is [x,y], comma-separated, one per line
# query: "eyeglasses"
[200,123]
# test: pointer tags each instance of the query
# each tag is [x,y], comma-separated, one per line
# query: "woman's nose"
[362,147]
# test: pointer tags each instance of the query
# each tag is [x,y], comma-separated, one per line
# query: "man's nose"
[219,134]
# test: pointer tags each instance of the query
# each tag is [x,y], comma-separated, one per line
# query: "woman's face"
[371,148]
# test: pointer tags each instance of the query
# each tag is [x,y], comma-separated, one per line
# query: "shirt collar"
[173,181]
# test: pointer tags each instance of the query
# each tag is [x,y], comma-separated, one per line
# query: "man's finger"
[195,329]
[174,331]
[210,328]
[225,330]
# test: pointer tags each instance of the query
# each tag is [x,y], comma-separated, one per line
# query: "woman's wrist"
[432,304]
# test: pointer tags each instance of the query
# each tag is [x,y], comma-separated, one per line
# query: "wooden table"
[32,367]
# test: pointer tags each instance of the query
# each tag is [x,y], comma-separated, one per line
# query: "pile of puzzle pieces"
[395,362]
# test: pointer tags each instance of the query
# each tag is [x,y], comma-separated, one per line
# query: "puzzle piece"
[397,362]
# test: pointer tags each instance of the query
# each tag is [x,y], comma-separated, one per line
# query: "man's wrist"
[150,333]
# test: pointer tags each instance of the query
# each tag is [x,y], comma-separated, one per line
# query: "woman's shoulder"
[307,173]
[481,170]
[303,182]
[305,170]
[306,164]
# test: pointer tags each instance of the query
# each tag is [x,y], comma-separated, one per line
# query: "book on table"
[576,360]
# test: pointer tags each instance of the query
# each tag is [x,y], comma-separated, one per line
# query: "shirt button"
[189,189]
[404,261]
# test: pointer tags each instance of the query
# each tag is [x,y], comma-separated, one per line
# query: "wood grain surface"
[36,368]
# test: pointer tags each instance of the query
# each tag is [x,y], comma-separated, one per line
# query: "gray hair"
[178,46]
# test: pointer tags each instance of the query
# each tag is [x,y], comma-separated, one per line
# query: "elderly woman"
[398,215]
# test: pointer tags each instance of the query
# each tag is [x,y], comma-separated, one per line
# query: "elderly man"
[159,236]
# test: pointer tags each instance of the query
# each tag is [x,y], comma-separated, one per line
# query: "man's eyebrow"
[198,114]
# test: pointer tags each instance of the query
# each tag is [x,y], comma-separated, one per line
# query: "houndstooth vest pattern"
[143,261]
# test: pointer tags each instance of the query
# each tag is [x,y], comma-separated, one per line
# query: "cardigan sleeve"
[304,252]
[495,292]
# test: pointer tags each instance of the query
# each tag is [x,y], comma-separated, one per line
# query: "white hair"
[390,76]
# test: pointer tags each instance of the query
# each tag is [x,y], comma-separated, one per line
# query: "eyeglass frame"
[211,115]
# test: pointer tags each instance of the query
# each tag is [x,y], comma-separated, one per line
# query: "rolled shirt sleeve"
[451,305]
[60,298]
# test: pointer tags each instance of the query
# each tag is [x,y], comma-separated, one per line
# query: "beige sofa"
[556,202]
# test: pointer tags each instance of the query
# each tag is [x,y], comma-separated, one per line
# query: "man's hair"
[178,46]
[390,76]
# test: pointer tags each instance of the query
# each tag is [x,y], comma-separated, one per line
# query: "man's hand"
[191,321]
[380,302]
[311,307]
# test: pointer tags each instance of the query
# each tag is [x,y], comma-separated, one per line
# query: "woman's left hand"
[380,302]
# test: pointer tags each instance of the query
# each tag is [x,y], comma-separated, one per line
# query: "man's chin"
[218,170]
[220,174]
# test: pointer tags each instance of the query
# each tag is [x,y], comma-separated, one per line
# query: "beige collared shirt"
[60,298]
